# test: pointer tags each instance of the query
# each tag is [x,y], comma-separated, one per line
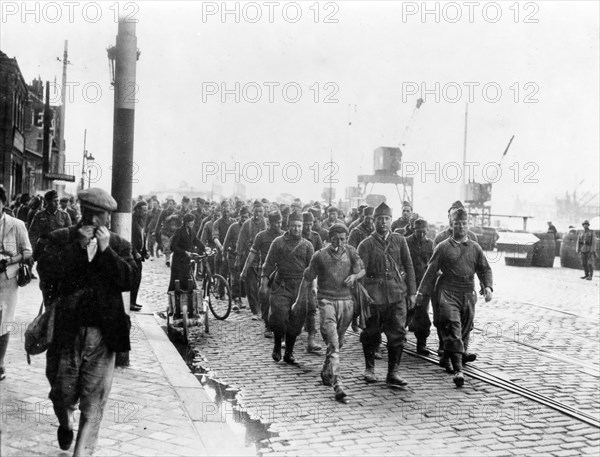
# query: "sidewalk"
[156,406]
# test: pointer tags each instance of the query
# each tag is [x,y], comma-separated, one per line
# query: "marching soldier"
[460,259]
[288,257]
[336,268]
[390,278]
[364,229]
[421,250]
[46,221]
[229,254]
[311,314]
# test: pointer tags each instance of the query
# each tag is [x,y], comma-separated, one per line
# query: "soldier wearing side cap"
[46,221]
[311,315]
[586,248]
[87,268]
[421,250]
[256,259]
[364,229]
[289,254]
[390,279]
[459,258]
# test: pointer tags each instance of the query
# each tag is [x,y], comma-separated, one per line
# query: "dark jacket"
[183,240]
[88,293]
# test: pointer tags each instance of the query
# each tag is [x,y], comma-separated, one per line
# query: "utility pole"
[63,109]
[46,144]
[465,178]
[125,55]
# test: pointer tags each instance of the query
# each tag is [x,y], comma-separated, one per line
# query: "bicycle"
[191,299]
[216,290]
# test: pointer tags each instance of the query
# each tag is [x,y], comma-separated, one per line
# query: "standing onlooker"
[552,229]
[14,248]
[150,227]
[586,247]
[87,268]
[35,204]
[23,209]
[138,249]
[64,205]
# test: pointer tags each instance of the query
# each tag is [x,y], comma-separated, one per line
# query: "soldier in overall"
[421,250]
[390,279]
[586,247]
[459,258]
[336,268]
[256,259]
[311,314]
[290,255]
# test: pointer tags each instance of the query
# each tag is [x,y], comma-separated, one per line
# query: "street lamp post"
[86,157]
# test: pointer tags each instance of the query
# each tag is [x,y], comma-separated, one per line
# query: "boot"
[288,357]
[468,357]
[369,374]
[445,362]
[459,378]
[393,377]
[422,347]
[340,394]
[326,374]
[277,349]
[312,346]
[440,350]
[377,352]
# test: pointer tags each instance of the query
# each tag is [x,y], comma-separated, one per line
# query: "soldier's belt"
[390,275]
[466,278]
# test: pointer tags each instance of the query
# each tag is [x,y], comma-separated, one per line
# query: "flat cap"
[307,216]
[50,195]
[140,204]
[96,199]
[331,209]
[383,210]
[420,223]
[337,228]
[189,217]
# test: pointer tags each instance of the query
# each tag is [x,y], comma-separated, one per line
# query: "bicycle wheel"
[219,297]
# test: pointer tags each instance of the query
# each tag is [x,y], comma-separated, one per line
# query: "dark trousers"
[234,274]
[311,314]
[264,307]
[457,313]
[282,320]
[389,319]
[252,283]
[421,323]
[587,261]
[135,287]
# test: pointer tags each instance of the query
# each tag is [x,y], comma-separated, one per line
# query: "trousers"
[389,319]
[252,286]
[335,318]
[81,372]
[457,313]
[587,261]
[282,320]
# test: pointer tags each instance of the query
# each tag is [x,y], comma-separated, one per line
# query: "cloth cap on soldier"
[406,204]
[459,213]
[586,222]
[50,195]
[244,210]
[96,199]
[361,209]
[274,216]
[413,217]
[383,210]
[225,203]
[185,199]
[337,228]
[257,204]
[420,223]
[264,201]
[189,217]
[455,205]
[368,211]
[140,204]
[307,216]
[64,199]
[294,217]
[331,209]
[296,204]
[316,212]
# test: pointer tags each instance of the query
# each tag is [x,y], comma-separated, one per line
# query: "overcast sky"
[360,67]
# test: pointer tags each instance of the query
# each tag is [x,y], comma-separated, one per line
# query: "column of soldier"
[366,270]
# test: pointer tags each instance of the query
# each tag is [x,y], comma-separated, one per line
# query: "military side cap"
[457,204]
[274,216]
[244,210]
[368,211]
[406,203]
[316,212]
[294,217]
[420,223]
[383,210]
[257,204]
[97,199]
[50,195]
[337,228]
[307,216]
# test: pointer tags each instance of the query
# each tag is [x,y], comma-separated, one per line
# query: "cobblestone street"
[540,331]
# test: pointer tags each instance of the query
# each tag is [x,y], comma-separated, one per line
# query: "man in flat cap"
[257,223]
[404,219]
[586,247]
[421,250]
[390,279]
[256,258]
[336,268]
[64,205]
[46,221]
[311,314]
[86,268]
[138,249]
[288,257]
[229,254]
[459,258]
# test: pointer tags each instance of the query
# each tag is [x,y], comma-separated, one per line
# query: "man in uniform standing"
[46,221]
[290,255]
[87,268]
[459,258]
[390,278]
[421,250]
[586,247]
